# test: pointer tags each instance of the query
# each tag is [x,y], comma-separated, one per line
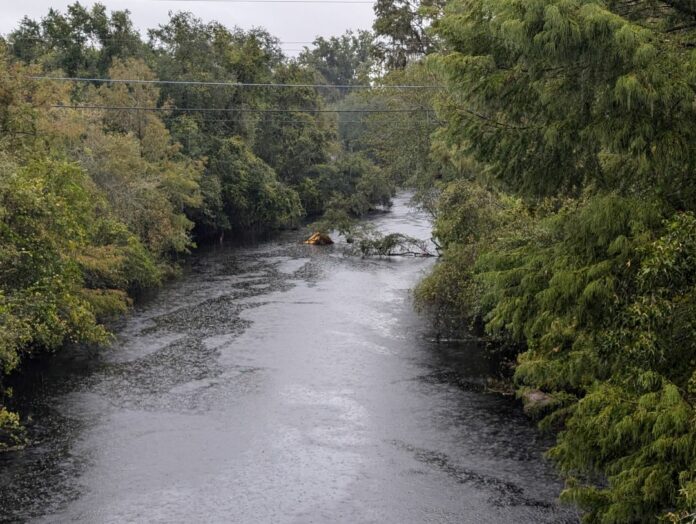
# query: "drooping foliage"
[402,30]
[566,223]
[562,95]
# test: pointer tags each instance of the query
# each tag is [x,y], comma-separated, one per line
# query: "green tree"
[402,30]
[188,49]
[295,139]
[398,141]
[253,199]
[81,42]
[345,60]
[557,96]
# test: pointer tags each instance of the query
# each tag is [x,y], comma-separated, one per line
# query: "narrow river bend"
[281,383]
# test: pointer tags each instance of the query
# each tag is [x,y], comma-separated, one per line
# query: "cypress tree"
[581,117]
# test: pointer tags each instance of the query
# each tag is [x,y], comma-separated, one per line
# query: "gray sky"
[289,22]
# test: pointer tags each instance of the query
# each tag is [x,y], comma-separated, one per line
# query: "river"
[279,383]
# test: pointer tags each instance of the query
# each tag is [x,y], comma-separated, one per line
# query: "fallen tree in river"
[370,243]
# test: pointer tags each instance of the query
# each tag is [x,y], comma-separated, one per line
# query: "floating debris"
[319,239]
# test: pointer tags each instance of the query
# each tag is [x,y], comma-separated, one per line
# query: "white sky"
[289,22]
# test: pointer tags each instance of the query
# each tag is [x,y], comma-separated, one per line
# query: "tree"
[150,183]
[345,60]
[81,42]
[557,98]
[253,199]
[296,138]
[402,30]
[188,49]
[399,142]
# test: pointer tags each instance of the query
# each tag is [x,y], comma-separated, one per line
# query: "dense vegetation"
[97,205]
[568,230]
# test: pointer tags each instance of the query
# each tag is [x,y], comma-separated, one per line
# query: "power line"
[228,84]
[281,1]
[240,109]
[291,120]
[265,120]
[125,37]
[353,123]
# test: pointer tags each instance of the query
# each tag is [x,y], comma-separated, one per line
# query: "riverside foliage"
[97,205]
[568,230]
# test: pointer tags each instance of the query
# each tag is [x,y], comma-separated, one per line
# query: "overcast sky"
[290,22]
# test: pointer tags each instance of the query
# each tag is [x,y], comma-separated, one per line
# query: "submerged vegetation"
[554,145]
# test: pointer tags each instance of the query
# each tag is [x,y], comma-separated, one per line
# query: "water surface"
[280,383]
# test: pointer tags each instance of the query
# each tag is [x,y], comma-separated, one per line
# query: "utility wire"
[228,84]
[86,38]
[240,110]
[280,1]
[297,121]
[265,120]
[125,37]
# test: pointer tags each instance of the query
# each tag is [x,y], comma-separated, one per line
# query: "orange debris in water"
[319,239]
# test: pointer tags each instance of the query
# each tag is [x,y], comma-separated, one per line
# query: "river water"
[279,383]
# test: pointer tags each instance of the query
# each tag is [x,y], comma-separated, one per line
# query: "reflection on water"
[279,383]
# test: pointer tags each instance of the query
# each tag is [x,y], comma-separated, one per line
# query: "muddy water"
[279,383]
